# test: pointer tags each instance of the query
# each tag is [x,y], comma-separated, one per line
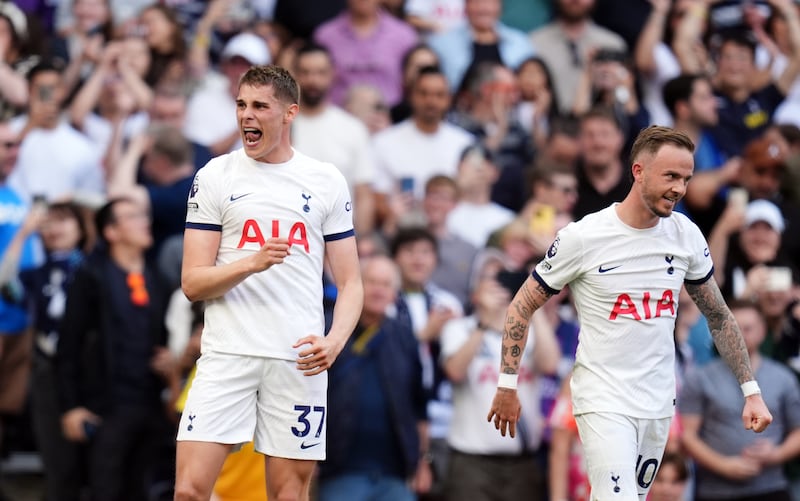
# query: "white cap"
[764,210]
[247,46]
[19,23]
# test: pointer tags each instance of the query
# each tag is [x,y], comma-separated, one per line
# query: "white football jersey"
[304,200]
[625,283]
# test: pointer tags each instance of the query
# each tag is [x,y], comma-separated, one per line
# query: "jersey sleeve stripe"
[700,280]
[204,226]
[339,236]
[544,285]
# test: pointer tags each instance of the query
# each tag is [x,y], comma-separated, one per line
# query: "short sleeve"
[203,211]
[562,261]
[339,221]
[701,266]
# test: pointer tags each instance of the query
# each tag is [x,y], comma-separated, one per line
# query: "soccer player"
[625,266]
[260,222]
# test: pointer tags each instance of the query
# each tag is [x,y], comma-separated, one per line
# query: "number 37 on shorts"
[310,425]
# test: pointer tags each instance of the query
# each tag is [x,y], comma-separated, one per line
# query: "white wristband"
[507,381]
[750,388]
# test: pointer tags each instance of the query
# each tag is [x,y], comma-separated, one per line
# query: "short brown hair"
[270,75]
[172,144]
[651,139]
[441,181]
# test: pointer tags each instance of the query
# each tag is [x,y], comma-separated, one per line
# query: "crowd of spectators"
[470,132]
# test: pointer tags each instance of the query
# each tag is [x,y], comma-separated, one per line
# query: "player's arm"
[506,407]
[529,298]
[322,351]
[730,345]
[723,327]
[201,279]
[346,271]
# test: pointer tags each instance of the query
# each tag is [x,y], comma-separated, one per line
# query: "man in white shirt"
[324,131]
[625,266]
[416,149]
[54,159]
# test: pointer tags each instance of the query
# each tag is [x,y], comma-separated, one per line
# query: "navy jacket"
[397,354]
[85,359]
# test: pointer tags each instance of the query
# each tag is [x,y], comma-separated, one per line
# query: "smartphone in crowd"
[407,184]
[779,279]
[39,200]
[543,220]
[738,197]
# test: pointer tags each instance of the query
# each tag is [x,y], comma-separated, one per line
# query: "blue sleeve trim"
[339,236]
[700,280]
[204,226]
[544,285]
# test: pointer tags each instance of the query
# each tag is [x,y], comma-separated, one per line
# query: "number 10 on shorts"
[303,420]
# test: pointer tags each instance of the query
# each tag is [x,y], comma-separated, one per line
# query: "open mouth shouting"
[251,136]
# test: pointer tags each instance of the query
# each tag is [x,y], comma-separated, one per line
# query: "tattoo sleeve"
[530,297]
[724,330]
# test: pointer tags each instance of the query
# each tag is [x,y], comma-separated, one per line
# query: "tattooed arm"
[730,344]
[723,327]
[529,298]
[506,407]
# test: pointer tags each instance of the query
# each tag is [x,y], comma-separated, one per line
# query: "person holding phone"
[418,148]
[62,231]
[746,245]
[625,266]
[42,132]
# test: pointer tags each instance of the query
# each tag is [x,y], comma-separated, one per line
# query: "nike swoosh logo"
[603,270]
[304,446]
[235,197]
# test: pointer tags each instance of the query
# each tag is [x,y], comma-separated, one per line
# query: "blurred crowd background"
[470,132]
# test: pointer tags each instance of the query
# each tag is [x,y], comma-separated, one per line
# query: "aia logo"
[646,308]
[251,232]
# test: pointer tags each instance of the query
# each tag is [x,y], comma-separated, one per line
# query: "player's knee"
[291,491]
[189,491]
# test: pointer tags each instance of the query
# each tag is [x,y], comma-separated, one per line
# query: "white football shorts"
[622,454]
[237,398]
